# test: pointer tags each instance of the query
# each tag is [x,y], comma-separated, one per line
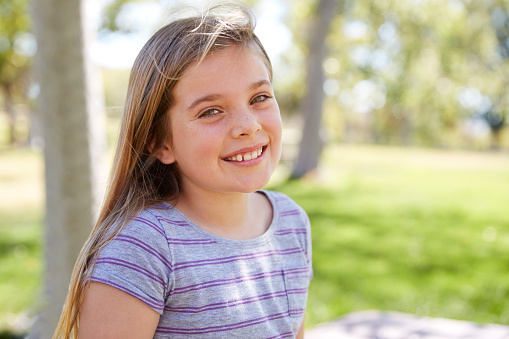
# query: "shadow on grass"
[422,247]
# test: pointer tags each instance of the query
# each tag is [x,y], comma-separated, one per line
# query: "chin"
[250,187]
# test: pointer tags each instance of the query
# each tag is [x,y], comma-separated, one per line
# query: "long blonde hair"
[138,179]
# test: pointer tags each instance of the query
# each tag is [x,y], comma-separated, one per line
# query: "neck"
[230,215]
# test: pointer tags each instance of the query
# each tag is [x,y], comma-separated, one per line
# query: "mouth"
[246,156]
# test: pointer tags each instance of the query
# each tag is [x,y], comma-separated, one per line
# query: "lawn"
[21,232]
[410,230]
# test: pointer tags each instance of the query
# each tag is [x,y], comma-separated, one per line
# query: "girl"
[186,246]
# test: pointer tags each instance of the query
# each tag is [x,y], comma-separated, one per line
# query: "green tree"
[419,60]
[409,72]
[17,46]
[319,21]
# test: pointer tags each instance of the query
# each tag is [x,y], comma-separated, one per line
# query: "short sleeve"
[309,247]
[137,261]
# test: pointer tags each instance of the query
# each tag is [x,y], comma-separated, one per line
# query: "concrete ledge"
[394,325]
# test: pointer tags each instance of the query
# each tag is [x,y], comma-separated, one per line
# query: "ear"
[164,153]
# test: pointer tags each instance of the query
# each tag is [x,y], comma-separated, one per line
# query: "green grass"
[409,230]
[20,237]
[20,264]
[424,232]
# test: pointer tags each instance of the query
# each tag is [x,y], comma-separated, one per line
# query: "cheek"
[275,125]
[192,145]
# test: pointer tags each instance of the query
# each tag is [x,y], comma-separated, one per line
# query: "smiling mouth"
[247,156]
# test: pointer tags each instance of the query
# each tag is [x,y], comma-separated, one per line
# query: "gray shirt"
[206,286]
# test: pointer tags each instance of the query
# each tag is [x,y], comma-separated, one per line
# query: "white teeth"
[247,156]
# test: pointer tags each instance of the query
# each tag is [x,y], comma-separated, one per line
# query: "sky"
[119,49]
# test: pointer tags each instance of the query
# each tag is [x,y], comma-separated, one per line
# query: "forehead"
[227,70]
[232,51]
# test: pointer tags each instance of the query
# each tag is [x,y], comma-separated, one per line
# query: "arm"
[300,335]
[107,312]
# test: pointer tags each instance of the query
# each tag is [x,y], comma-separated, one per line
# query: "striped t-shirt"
[206,286]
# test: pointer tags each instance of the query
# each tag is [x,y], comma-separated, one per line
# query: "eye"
[260,98]
[209,113]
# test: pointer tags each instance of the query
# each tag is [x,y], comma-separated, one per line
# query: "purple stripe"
[297,290]
[301,276]
[221,328]
[151,224]
[281,198]
[288,213]
[283,335]
[184,240]
[156,304]
[236,280]
[190,243]
[145,272]
[242,256]
[226,304]
[236,258]
[174,222]
[296,271]
[145,247]
[291,231]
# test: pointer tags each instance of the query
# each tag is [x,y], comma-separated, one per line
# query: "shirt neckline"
[258,241]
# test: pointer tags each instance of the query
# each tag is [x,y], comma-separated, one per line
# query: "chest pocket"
[296,286]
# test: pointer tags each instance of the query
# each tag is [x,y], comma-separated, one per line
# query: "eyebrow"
[260,84]
[213,97]
[198,101]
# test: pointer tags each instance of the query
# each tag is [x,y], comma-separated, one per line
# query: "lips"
[246,156]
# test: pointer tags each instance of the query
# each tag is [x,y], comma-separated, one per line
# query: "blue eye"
[209,113]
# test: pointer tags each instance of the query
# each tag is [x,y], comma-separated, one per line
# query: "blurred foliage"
[17,46]
[16,41]
[410,72]
[110,13]
[417,72]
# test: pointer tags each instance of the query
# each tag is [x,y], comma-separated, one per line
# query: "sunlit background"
[409,202]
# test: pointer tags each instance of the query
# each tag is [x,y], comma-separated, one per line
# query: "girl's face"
[225,124]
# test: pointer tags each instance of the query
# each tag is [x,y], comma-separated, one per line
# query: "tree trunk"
[312,143]
[9,108]
[71,153]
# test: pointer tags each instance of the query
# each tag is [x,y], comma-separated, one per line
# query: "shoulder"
[137,260]
[148,221]
[286,207]
[152,222]
[291,218]
[279,198]
[143,238]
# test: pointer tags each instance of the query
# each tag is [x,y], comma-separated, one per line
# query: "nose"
[245,123]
